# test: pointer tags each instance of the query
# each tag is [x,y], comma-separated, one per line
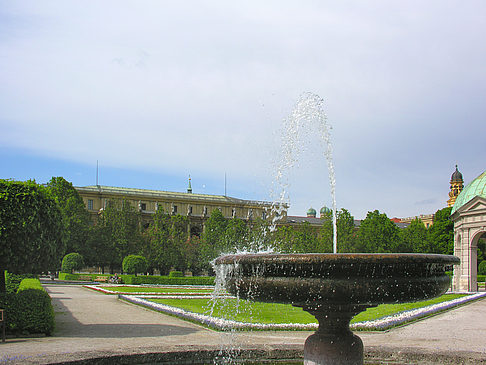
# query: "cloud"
[204,87]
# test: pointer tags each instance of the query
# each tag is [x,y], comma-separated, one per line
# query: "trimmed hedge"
[148,279]
[29,310]
[176,274]
[166,280]
[482,268]
[12,281]
[481,278]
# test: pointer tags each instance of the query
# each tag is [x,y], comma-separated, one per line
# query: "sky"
[156,91]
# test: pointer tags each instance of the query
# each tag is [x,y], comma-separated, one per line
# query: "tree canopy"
[30,229]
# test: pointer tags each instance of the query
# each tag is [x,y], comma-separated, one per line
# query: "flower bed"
[380,324]
[146,293]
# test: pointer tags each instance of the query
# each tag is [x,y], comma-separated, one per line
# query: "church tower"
[457,184]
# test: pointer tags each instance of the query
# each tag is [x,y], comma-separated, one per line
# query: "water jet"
[334,288]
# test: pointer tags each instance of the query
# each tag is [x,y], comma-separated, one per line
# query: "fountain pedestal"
[334,288]
[333,343]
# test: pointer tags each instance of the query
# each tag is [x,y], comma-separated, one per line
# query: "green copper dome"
[311,212]
[476,188]
[325,210]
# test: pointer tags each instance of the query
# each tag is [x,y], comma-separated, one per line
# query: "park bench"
[3,324]
[103,279]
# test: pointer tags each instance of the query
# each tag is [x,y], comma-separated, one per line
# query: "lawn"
[267,313]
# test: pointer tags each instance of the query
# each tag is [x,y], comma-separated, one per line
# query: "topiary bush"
[29,310]
[72,261]
[134,264]
[482,268]
[13,281]
[176,274]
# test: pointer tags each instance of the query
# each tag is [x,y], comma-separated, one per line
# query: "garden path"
[89,323]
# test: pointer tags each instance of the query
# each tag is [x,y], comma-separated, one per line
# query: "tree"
[30,229]
[413,238]
[377,233]
[75,217]
[122,226]
[134,264]
[441,233]
[72,261]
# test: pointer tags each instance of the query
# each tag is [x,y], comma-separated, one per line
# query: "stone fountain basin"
[337,279]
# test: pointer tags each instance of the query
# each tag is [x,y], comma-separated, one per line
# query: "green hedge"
[166,280]
[176,274]
[148,279]
[12,281]
[29,310]
[481,278]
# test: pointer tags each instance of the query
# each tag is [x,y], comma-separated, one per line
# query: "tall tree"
[123,227]
[377,233]
[441,233]
[75,217]
[413,238]
[30,229]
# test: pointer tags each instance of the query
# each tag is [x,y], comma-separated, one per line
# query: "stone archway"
[469,226]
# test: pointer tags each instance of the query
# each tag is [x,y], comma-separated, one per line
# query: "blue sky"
[156,91]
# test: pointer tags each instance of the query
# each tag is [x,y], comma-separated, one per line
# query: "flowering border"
[107,291]
[380,324]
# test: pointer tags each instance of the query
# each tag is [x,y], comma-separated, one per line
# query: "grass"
[258,312]
[143,289]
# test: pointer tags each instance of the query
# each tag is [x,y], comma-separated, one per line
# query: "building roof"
[160,194]
[475,188]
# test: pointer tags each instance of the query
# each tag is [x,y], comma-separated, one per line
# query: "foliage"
[166,280]
[134,264]
[117,234]
[30,310]
[30,229]
[72,261]
[377,233]
[413,238]
[441,234]
[75,217]
[176,274]
[482,268]
[13,281]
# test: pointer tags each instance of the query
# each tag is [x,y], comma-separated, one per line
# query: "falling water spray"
[307,118]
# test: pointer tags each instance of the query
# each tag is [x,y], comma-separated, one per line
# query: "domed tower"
[324,210]
[457,184]
[311,212]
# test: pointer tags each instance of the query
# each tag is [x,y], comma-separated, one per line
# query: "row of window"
[143,207]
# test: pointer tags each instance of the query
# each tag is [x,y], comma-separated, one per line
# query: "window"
[90,204]
[174,209]
[189,210]
[143,206]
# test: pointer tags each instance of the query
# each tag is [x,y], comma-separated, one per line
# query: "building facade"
[469,217]
[197,207]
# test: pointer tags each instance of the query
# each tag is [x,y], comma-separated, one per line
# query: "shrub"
[72,261]
[30,310]
[12,281]
[482,268]
[176,274]
[134,264]
[166,280]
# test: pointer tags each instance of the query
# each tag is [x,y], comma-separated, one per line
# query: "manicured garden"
[257,312]
[231,313]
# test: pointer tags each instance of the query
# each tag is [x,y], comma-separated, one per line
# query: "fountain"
[334,288]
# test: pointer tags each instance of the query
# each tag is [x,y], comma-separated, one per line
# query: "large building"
[197,207]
